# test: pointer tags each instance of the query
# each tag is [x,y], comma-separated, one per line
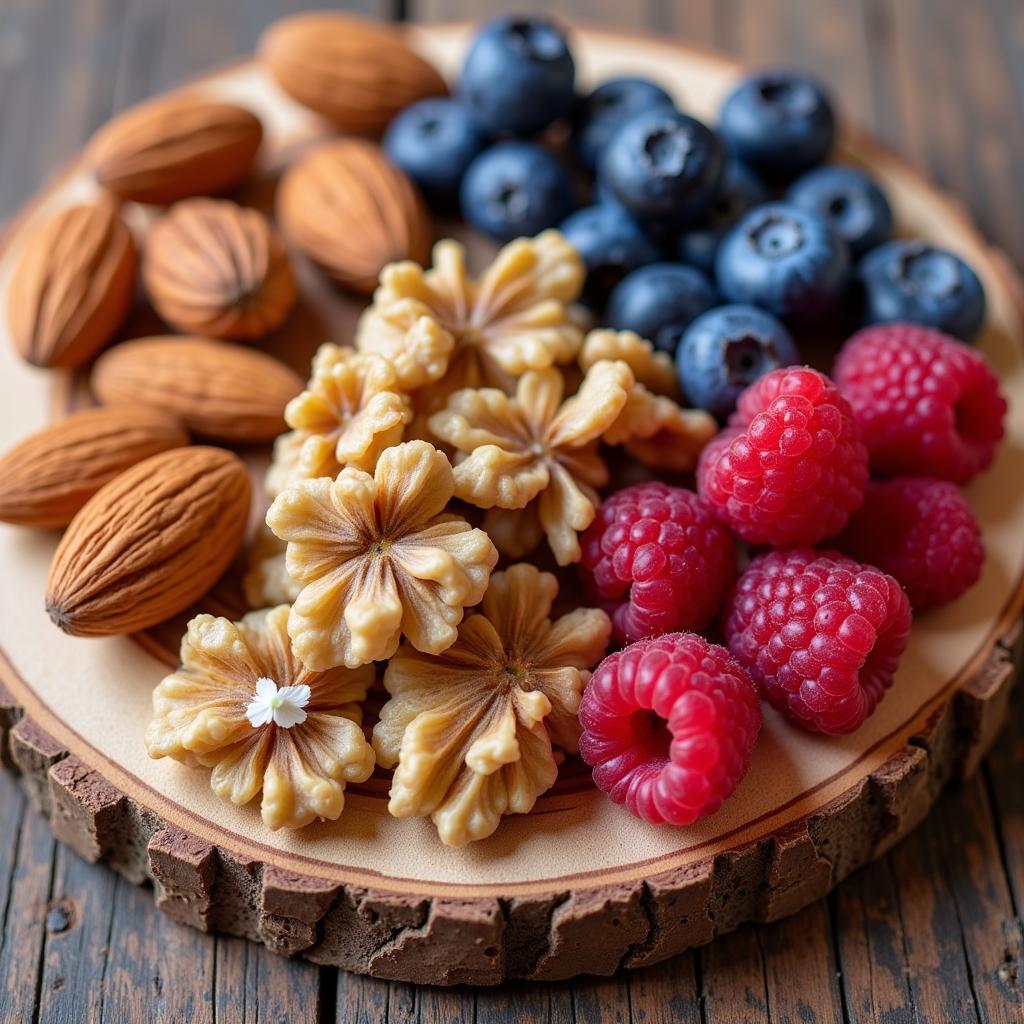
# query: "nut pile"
[500,475]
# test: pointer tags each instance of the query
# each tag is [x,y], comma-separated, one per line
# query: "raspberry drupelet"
[921,531]
[790,467]
[657,560]
[820,634]
[669,727]
[926,404]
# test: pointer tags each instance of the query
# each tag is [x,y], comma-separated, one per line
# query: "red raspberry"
[926,404]
[658,560]
[790,467]
[820,633]
[922,532]
[669,727]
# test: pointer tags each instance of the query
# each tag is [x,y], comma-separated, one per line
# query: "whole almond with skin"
[352,211]
[170,149]
[216,268]
[149,543]
[218,390]
[356,72]
[50,475]
[72,286]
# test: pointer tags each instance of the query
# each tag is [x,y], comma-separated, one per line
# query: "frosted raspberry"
[921,531]
[820,634]
[669,727]
[658,560]
[790,467]
[926,404]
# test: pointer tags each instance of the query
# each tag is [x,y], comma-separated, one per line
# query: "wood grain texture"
[64,64]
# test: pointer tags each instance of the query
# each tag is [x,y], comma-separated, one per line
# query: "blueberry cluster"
[673,218]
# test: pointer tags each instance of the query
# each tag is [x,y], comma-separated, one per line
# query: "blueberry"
[611,244]
[599,115]
[518,75]
[434,141]
[515,189]
[725,350]
[659,302]
[740,190]
[919,282]
[784,260]
[849,200]
[779,122]
[662,166]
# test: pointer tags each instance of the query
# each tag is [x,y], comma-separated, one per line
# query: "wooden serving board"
[578,886]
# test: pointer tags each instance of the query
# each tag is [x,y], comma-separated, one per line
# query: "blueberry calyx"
[744,356]
[926,272]
[666,149]
[794,98]
[536,40]
[776,236]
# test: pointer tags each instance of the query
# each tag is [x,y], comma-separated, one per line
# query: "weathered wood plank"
[254,986]
[734,982]
[870,940]
[26,852]
[78,929]
[667,993]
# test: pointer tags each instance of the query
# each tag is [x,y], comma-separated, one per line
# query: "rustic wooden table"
[932,932]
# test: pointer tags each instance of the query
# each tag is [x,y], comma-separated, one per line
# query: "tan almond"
[352,212]
[216,268]
[218,390]
[170,149]
[48,477]
[356,72]
[72,286]
[149,543]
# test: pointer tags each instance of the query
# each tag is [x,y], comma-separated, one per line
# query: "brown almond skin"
[356,72]
[47,478]
[170,149]
[215,268]
[72,287]
[149,543]
[352,212]
[220,391]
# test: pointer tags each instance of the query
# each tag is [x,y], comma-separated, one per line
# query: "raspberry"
[790,467]
[922,532]
[926,404]
[669,727]
[658,560]
[820,634]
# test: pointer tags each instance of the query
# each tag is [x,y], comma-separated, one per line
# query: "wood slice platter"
[578,886]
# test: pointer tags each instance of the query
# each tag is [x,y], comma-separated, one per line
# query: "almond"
[72,286]
[49,476]
[216,268]
[170,149]
[352,212]
[356,72]
[149,543]
[219,391]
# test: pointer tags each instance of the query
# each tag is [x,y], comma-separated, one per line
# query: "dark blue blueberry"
[515,189]
[779,122]
[434,141]
[725,350]
[662,166]
[740,190]
[919,282]
[518,75]
[611,244]
[601,113]
[784,260]
[659,302]
[849,200]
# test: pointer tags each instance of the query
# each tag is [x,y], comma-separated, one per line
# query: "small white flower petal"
[288,715]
